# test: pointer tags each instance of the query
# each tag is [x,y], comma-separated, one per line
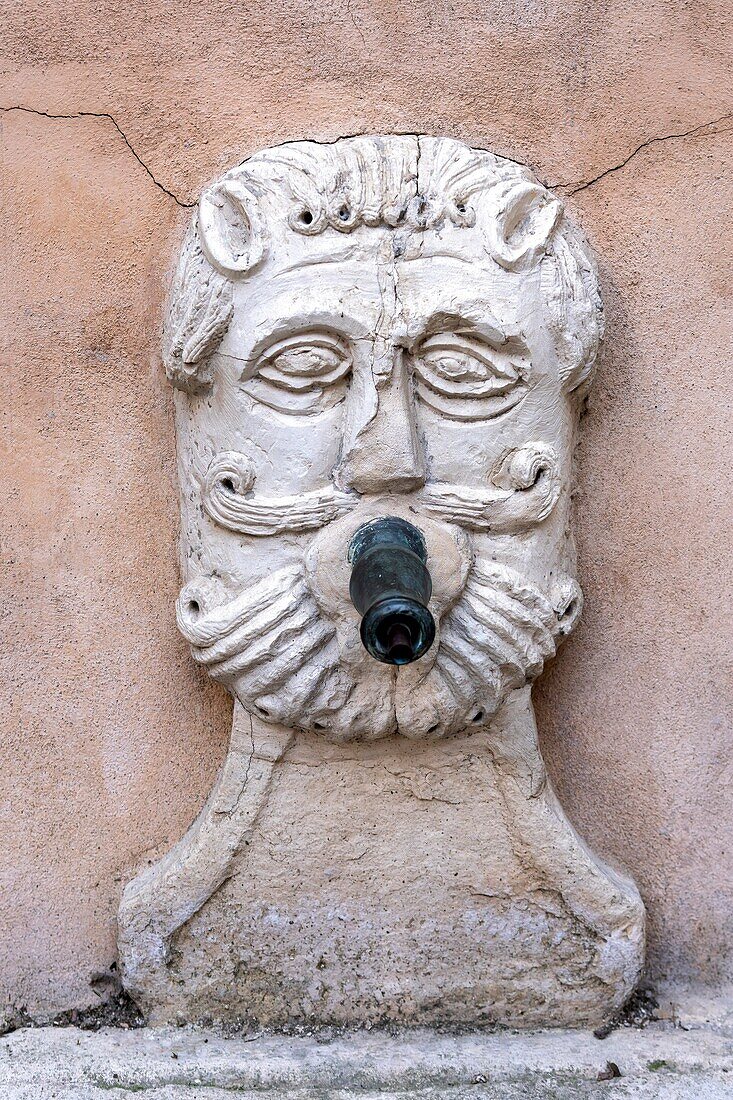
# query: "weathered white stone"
[392,326]
[178,1063]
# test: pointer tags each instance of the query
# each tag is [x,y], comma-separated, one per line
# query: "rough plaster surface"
[659,1062]
[113,738]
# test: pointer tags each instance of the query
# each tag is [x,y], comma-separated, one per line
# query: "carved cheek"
[301,457]
[295,448]
[455,451]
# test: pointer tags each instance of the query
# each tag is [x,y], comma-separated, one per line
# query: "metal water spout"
[390,588]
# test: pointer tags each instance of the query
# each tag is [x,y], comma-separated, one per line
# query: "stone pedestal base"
[380,884]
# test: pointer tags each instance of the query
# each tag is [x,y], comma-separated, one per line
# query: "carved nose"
[387,456]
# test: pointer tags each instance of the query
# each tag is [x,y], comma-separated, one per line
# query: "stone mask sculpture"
[386,326]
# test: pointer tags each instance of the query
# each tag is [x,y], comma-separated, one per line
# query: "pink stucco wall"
[116,115]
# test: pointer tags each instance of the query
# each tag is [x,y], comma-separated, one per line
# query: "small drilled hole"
[265,713]
[194,608]
[319,725]
[306,217]
[568,610]
[434,727]
[478,716]
[461,207]
[344,213]
[228,484]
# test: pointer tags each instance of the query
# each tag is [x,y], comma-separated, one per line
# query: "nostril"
[366,477]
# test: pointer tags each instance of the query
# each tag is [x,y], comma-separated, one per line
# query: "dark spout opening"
[390,587]
[398,644]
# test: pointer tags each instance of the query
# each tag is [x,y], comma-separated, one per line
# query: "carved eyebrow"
[438,254]
[357,250]
[347,253]
[475,321]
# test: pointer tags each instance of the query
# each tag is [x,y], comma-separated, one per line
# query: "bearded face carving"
[381,327]
[400,329]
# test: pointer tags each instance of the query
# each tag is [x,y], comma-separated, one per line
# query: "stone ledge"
[183,1064]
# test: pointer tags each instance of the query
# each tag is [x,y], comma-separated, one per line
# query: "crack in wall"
[570,187]
[120,131]
[703,129]
[356,26]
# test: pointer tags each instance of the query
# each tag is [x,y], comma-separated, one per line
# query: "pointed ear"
[526,215]
[230,228]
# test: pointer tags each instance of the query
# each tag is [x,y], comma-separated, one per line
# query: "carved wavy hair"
[417,182]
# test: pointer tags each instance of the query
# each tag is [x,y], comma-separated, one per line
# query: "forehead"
[404,275]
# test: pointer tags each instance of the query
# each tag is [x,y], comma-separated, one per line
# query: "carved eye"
[467,378]
[301,375]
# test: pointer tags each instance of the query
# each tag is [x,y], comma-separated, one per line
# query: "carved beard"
[272,647]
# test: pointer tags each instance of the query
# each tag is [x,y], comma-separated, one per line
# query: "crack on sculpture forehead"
[409,316]
[365,251]
[424,195]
